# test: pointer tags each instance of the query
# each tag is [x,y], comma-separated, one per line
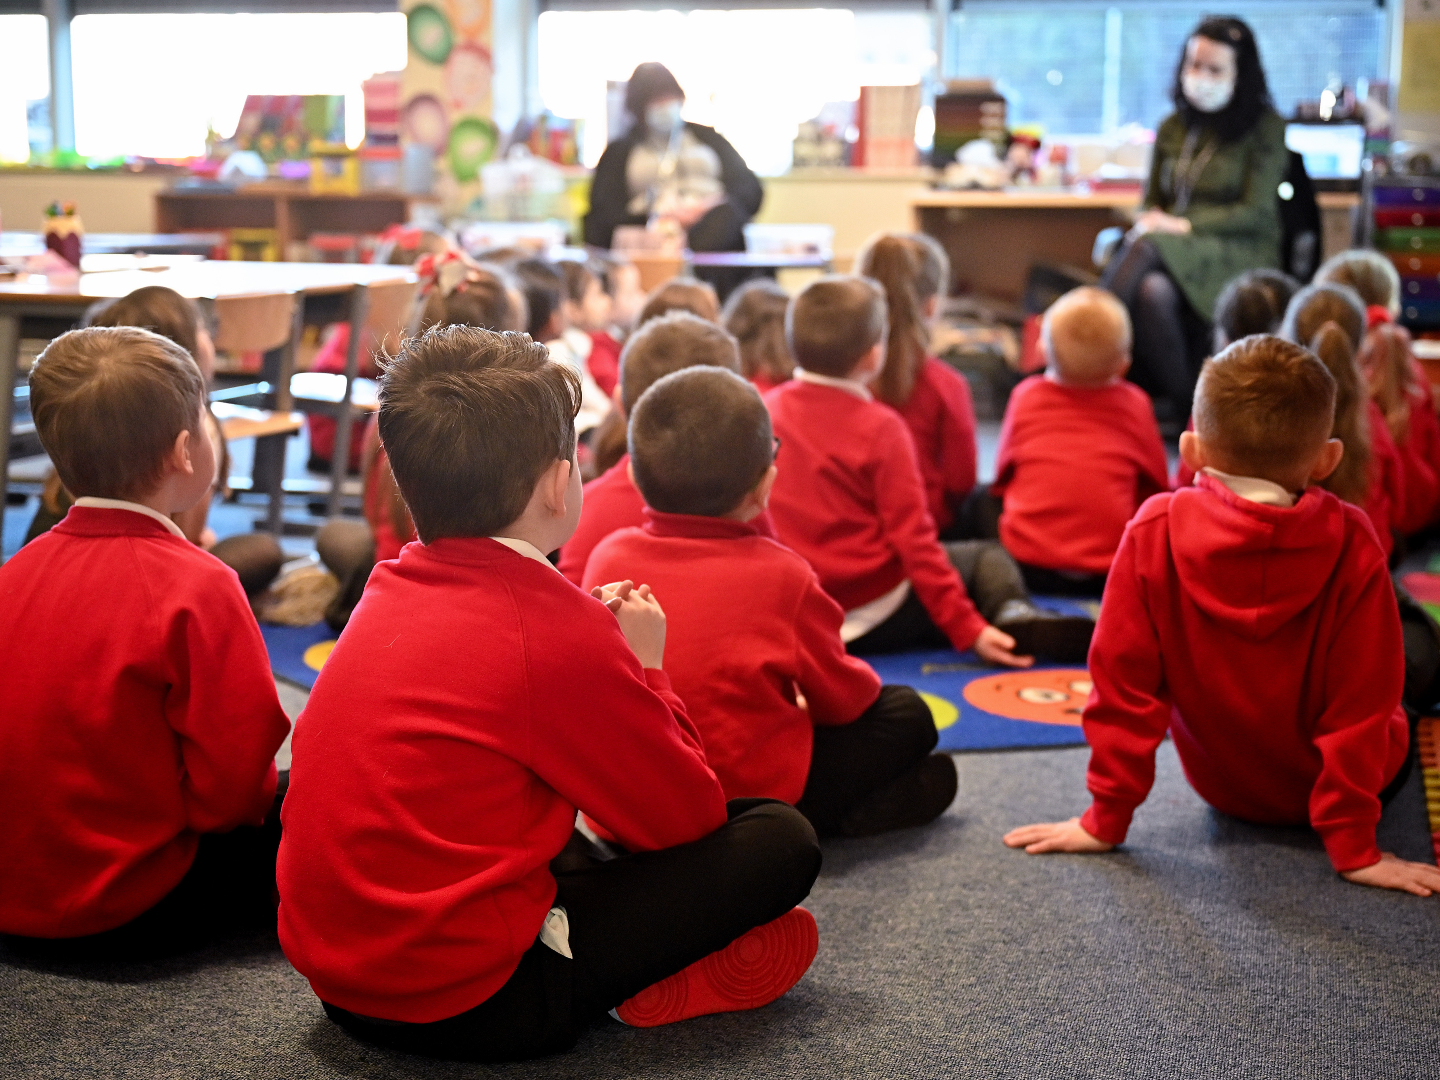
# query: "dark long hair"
[1251,98]
[651,81]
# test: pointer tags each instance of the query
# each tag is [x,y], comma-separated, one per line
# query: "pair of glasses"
[777,447]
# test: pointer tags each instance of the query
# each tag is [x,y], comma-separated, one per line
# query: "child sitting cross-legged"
[433,888]
[140,720]
[851,501]
[783,710]
[1251,616]
[1079,449]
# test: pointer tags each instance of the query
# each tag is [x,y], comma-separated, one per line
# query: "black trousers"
[991,577]
[854,761]
[230,887]
[634,920]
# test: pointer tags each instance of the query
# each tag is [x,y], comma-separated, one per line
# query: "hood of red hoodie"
[1250,566]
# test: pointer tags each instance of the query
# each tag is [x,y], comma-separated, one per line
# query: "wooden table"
[20,244]
[328,292]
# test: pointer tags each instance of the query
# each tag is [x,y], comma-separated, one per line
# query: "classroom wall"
[106,202]
[857,202]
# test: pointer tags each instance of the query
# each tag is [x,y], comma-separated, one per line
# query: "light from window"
[25,86]
[755,75]
[150,85]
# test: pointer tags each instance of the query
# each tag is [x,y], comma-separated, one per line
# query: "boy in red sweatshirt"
[139,733]
[433,889]
[1079,449]
[669,343]
[851,501]
[784,711]
[1251,616]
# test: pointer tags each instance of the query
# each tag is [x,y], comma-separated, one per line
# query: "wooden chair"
[268,323]
[383,311]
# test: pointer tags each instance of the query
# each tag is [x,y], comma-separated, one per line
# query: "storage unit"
[1402,219]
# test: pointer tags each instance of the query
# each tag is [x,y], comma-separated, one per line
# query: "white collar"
[850,386]
[524,547]
[1253,488]
[121,504]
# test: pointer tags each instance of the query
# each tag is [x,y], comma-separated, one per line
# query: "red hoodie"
[1420,458]
[737,662]
[1267,641]
[941,417]
[1074,464]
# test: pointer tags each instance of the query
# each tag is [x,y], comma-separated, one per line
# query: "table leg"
[344,416]
[268,474]
[9,373]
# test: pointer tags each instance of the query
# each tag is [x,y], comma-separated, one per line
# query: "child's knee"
[906,710]
[782,848]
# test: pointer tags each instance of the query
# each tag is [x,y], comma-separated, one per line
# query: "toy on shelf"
[334,170]
[64,231]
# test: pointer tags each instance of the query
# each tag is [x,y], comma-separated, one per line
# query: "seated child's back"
[139,709]
[1079,449]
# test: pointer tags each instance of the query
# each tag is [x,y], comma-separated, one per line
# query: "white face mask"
[663,118]
[1207,95]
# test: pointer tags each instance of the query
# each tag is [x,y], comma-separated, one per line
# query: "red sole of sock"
[753,970]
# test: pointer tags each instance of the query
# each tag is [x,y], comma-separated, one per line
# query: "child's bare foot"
[1055,836]
[753,970]
[1391,872]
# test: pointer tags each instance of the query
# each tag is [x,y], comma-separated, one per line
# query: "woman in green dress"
[1210,210]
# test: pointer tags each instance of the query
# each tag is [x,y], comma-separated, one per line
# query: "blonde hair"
[1369,273]
[1351,479]
[911,268]
[1384,359]
[1087,334]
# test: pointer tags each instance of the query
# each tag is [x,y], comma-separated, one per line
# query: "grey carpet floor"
[1206,948]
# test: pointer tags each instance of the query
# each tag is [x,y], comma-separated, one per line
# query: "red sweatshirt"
[850,500]
[736,659]
[941,417]
[139,713]
[1385,504]
[604,360]
[1074,465]
[475,700]
[1420,459]
[1267,641]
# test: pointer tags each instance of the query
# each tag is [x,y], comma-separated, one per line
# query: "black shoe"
[914,798]
[1062,639]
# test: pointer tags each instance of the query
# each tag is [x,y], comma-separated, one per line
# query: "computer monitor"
[1332,152]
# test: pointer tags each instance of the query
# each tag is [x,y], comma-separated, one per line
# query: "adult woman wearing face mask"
[665,167]
[1210,210]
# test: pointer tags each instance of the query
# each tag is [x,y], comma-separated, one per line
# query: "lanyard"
[1189,168]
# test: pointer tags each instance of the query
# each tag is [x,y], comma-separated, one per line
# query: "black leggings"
[1169,337]
[634,920]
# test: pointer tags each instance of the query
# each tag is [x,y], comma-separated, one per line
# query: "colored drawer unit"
[1420,313]
[1415,197]
[1413,289]
[1415,265]
[1407,219]
[1420,241]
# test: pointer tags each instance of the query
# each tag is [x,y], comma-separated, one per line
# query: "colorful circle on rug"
[1054,696]
[317,654]
[944,712]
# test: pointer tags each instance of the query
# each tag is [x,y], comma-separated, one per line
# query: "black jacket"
[610,193]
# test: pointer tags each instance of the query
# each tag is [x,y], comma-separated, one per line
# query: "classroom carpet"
[1204,948]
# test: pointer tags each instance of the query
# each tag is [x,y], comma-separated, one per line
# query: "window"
[25,87]
[1082,67]
[754,74]
[151,84]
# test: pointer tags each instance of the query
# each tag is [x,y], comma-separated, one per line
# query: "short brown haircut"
[670,343]
[470,418]
[700,440]
[834,322]
[108,404]
[681,294]
[1264,403]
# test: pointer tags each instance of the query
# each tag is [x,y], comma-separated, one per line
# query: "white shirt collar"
[850,386]
[121,504]
[1253,488]
[524,547]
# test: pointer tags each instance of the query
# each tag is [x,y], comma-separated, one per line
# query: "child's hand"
[998,647]
[641,619]
[1419,878]
[1056,836]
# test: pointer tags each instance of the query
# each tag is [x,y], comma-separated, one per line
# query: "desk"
[992,237]
[329,292]
[20,244]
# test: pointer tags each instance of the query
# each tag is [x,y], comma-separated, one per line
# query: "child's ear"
[179,457]
[930,307]
[1124,365]
[761,491]
[556,485]
[1328,461]
[1192,451]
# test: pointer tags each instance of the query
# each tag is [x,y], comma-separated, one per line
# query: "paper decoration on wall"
[447,92]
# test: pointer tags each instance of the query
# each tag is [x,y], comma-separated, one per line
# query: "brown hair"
[1315,305]
[1253,303]
[1351,479]
[834,322]
[1372,276]
[1264,403]
[1384,359]
[1087,334]
[911,268]
[483,299]
[755,314]
[158,309]
[470,419]
[577,277]
[108,404]
[700,440]
[672,342]
[681,294]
